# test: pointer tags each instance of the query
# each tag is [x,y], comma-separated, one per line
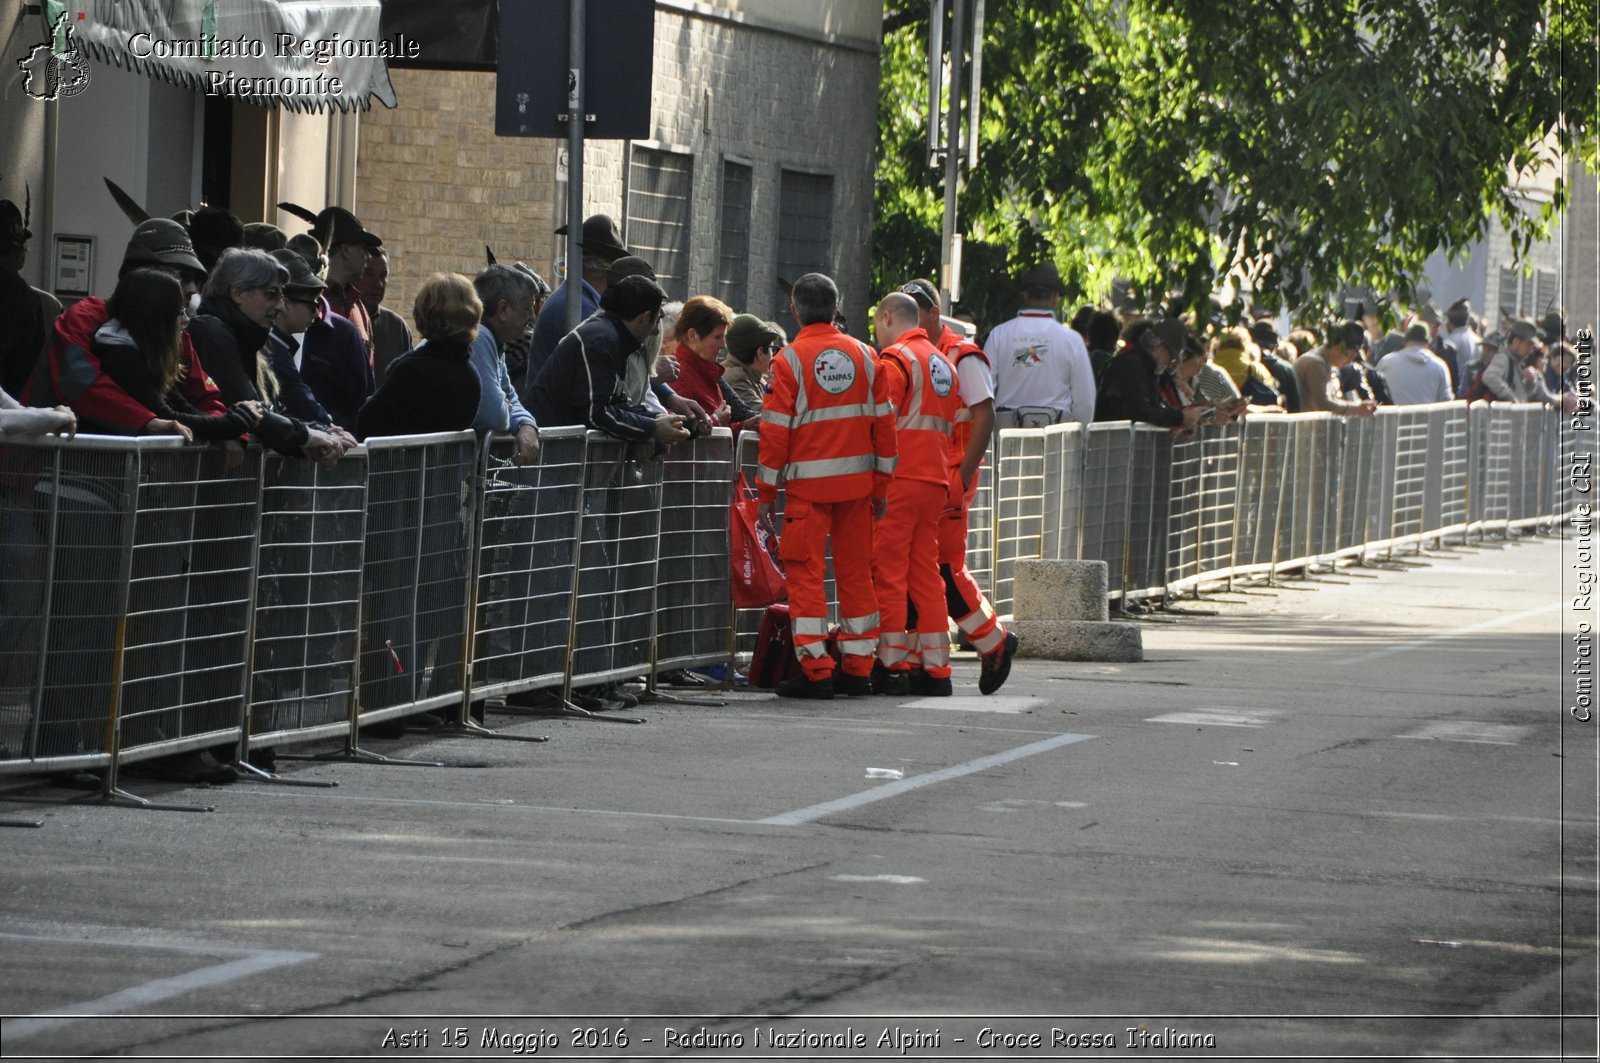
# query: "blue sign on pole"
[534,79]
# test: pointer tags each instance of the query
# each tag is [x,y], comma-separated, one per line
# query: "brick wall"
[436,184]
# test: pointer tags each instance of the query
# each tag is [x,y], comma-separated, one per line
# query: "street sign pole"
[575,121]
[950,245]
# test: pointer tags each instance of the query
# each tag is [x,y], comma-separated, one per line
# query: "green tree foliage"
[1304,145]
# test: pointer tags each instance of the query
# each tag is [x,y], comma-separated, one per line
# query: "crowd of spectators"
[1170,371]
[223,333]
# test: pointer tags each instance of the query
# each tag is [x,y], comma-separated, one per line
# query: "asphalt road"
[1341,818]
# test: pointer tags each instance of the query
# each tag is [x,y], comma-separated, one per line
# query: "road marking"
[1499,621]
[812,813]
[894,880]
[1013,804]
[804,721]
[1213,718]
[1491,734]
[478,805]
[977,703]
[250,962]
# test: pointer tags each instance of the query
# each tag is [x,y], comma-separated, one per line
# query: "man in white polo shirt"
[1042,373]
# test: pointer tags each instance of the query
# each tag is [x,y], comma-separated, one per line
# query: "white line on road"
[150,992]
[1499,621]
[813,813]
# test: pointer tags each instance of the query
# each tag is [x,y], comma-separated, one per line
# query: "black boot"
[801,687]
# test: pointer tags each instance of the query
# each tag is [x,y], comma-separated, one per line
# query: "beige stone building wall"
[436,183]
[1580,267]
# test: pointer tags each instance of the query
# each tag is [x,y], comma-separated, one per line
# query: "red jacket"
[955,349]
[926,396]
[70,375]
[697,380]
[827,428]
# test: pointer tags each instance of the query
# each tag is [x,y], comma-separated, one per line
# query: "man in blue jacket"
[508,296]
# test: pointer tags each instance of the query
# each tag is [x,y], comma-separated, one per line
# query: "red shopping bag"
[757,574]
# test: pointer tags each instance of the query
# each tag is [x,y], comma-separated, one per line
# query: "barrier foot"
[21,822]
[1177,610]
[656,696]
[123,799]
[357,755]
[569,709]
[255,774]
[473,729]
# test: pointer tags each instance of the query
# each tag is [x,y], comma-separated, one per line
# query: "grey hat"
[161,242]
[1430,314]
[301,279]
[265,236]
[1522,329]
[541,287]
[600,236]
[749,332]
[1493,341]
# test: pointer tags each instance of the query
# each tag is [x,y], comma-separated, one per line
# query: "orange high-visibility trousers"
[906,562]
[803,545]
[966,602]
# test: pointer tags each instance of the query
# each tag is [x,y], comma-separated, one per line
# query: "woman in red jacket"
[702,335]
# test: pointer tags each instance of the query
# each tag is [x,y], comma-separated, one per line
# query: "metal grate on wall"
[805,231]
[1510,299]
[733,244]
[1546,292]
[660,184]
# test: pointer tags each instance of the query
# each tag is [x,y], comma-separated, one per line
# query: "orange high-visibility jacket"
[954,348]
[926,396]
[827,429]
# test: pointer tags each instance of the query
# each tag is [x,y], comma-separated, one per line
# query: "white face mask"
[194,304]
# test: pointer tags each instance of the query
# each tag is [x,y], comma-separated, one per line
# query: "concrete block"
[1079,640]
[1060,590]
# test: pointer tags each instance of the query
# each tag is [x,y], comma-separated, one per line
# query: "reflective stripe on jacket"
[954,349]
[827,429]
[926,397]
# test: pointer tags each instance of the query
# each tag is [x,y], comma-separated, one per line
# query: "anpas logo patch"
[835,371]
[941,375]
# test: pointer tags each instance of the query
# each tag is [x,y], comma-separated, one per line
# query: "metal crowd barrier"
[126,609]
[527,565]
[1277,494]
[692,587]
[160,598]
[421,512]
[309,555]
[617,564]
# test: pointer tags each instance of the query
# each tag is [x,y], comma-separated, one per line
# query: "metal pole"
[935,70]
[976,84]
[575,119]
[948,264]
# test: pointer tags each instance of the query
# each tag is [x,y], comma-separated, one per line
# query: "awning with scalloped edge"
[305,55]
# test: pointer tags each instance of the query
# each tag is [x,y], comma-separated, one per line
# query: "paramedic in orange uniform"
[905,559]
[827,435]
[974,426]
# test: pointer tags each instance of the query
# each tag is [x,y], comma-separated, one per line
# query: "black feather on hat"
[136,214]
